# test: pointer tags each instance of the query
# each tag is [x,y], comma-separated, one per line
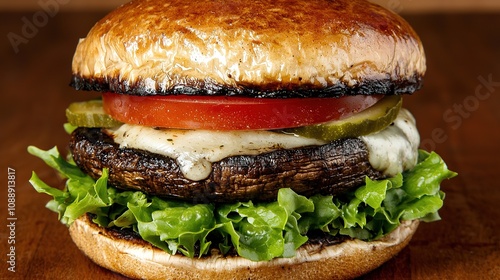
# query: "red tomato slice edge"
[231,113]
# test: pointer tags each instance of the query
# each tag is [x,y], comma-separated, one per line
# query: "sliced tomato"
[230,113]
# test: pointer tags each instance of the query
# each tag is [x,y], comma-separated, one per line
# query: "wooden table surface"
[458,114]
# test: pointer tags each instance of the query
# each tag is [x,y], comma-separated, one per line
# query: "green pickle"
[373,119]
[89,114]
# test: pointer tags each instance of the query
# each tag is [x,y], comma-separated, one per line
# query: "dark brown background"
[458,114]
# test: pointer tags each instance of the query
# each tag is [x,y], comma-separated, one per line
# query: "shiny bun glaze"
[264,48]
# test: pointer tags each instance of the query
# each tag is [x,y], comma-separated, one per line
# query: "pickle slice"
[373,119]
[89,114]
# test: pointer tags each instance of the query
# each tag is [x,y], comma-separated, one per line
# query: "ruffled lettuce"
[256,231]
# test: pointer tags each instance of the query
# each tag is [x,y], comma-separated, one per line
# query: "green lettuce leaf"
[260,231]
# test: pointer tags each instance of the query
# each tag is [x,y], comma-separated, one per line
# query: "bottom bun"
[138,259]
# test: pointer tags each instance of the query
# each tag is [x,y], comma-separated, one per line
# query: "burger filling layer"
[391,150]
[254,230]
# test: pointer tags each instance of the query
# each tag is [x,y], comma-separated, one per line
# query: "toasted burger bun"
[138,259]
[264,48]
[260,48]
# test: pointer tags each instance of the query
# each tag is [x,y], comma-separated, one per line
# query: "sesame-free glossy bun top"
[263,48]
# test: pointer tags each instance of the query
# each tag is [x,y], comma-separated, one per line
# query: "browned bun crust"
[262,48]
[139,259]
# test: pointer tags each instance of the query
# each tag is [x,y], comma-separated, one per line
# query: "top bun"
[261,48]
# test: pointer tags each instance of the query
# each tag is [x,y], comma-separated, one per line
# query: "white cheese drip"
[391,150]
[195,150]
[395,148]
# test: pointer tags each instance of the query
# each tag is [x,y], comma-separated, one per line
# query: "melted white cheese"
[391,150]
[195,150]
[395,148]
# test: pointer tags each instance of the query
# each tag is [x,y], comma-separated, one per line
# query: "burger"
[245,140]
